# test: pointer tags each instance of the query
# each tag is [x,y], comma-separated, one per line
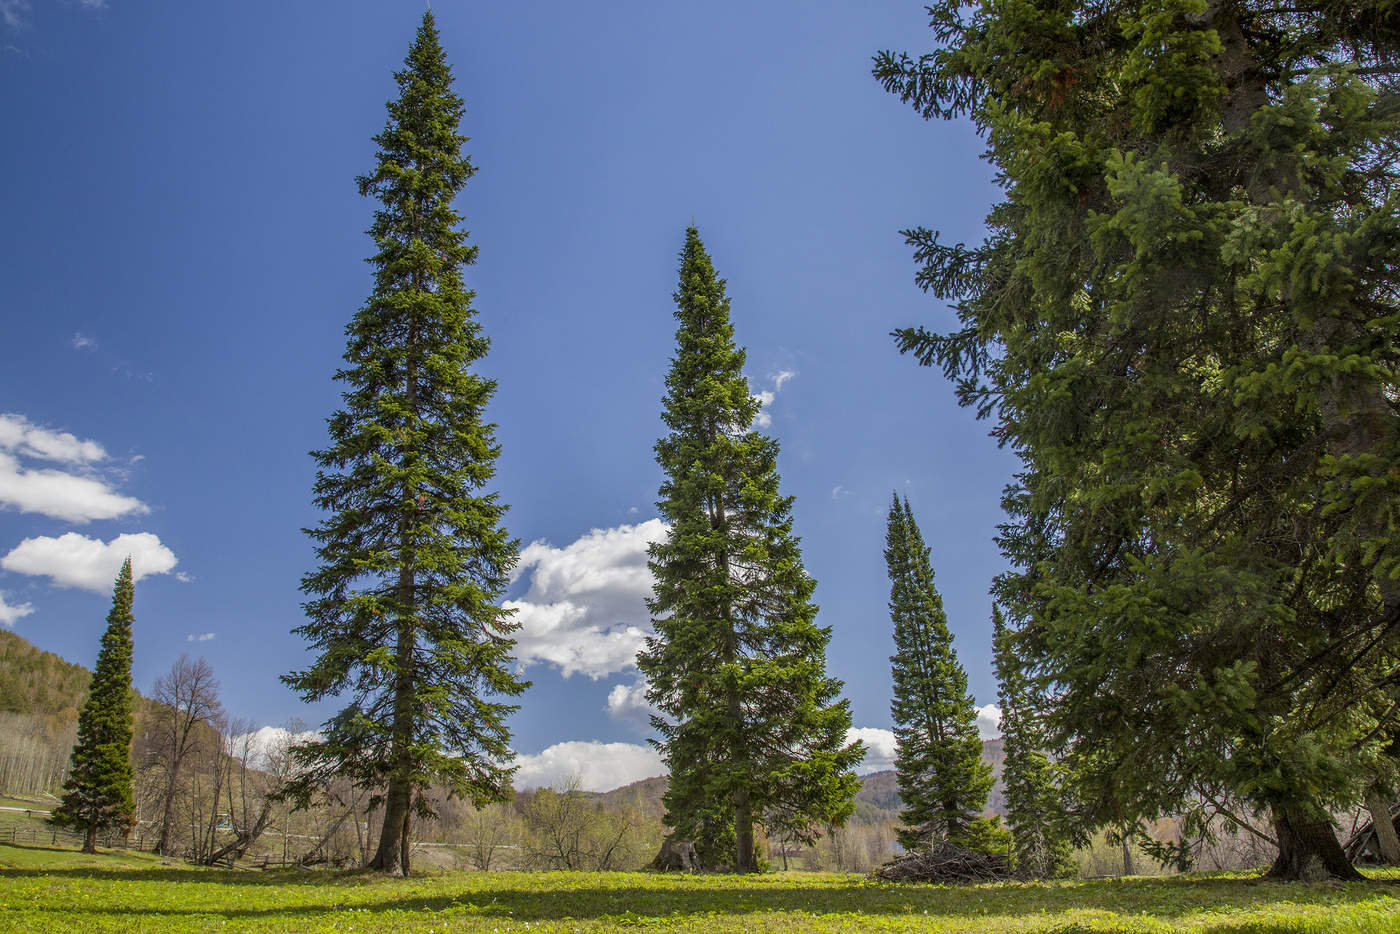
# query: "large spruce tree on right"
[97,795]
[1183,320]
[753,730]
[942,779]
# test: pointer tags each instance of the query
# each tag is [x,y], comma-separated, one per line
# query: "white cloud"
[765,397]
[879,748]
[880,744]
[629,702]
[200,637]
[268,741]
[9,614]
[839,491]
[93,4]
[21,436]
[62,494]
[74,560]
[83,342]
[184,578]
[989,721]
[599,766]
[585,610]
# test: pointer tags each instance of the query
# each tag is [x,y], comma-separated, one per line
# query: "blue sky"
[181,245]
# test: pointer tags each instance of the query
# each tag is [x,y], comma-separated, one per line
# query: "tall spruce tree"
[943,781]
[753,728]
[403,609]
[97,796]
[1184,321]
[1035,812]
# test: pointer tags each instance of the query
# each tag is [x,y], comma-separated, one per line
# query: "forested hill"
[36,682]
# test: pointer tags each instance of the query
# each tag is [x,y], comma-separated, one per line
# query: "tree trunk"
[1307,849]
[743,832]
[162,846]
[1386,838]
[391,834]
[90,839]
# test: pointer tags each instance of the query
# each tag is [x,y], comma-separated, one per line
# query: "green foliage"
[943,781]
[97,797]
[752,728]
[1035,810]
[403,610]
[1183,321]
[63,891]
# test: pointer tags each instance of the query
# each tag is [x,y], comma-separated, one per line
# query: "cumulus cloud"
[83,342]
[766,397]
[629,702]
[598,766]
[74,560]
[879,748]
[989,721]
[200,637]
[9,614]
[880,744]
[21,436]
[63,494]
[268,742]
[585,610]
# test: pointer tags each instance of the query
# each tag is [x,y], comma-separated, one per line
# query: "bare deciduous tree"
[187,705]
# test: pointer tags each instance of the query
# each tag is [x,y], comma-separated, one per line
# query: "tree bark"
[90,840]
[392,844]
[743,832]
[1386,839]
[1307,848]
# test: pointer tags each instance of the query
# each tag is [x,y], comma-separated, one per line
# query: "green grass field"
[50,890]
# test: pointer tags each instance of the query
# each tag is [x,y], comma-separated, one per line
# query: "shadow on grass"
[581,896]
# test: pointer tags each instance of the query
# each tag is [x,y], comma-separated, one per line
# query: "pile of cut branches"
[944,862]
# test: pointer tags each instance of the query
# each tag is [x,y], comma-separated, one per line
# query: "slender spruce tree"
[943,781]
[403,611]
[1035,812]
[753,729]
[97,796]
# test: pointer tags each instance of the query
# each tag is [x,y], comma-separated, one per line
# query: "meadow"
[45,889]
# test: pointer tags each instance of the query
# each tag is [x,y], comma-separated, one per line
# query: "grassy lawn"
[43,889]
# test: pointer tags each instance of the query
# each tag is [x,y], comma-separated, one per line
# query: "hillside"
[877,800]
[33,681]
[880,792]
